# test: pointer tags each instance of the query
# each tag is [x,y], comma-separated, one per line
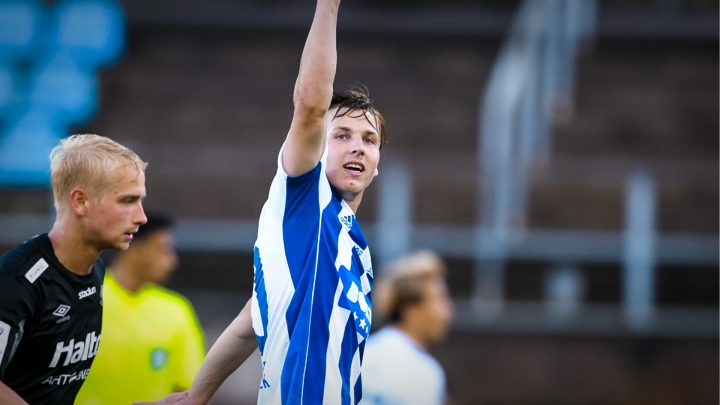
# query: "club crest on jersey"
[158,358]
[87,292]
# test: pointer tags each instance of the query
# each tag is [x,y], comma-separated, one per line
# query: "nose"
[140,217]
[357,146]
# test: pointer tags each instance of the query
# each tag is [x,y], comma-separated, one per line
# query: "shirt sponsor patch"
[4,336]
[36,270]
[87,292]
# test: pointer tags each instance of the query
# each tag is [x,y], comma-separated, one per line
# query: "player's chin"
[121,245]
[354,187]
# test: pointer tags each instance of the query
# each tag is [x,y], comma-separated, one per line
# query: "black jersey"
[50,321]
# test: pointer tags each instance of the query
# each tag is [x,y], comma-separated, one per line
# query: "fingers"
[177,398]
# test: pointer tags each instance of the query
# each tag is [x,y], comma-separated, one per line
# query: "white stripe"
[345,249]
[4,336]
[36,270]
[278,288]
[333,379]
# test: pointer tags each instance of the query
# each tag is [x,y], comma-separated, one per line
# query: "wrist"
[195,398]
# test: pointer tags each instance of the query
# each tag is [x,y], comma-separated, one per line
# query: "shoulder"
[24,261]
[20,270]
[178,314]
[313,176]
[168,298]
[387,336]
[386,344]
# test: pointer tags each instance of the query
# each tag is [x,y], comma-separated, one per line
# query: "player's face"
[437,309]
[117,212]
[157,255]
[353,153]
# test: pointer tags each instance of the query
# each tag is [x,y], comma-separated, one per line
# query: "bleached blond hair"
[90,161]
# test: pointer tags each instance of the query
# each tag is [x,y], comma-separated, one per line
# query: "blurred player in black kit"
[51,285]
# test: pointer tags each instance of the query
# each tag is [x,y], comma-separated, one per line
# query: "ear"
[376,172]
[79,201]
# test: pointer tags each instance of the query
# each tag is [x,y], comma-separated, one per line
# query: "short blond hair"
[402,283]
[90,161]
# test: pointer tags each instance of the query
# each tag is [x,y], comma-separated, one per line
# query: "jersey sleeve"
[191,348]
[16,306]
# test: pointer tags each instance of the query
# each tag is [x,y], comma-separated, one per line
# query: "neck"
[413,332]
[71,249]
[353,200]
[124,276]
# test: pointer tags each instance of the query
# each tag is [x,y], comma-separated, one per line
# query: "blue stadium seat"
[24,150]
[20,21]
[49,56]
[91,31]
[66,92]
[8,91]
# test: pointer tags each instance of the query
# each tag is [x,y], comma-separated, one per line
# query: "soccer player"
[51,285]
[412,296]
[152,341]
[311,305]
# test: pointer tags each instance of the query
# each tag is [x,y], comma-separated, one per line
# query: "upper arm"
[313,92]
[242,324]
[15,307]
[305,141]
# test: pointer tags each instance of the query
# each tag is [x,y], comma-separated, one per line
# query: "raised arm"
[313,92]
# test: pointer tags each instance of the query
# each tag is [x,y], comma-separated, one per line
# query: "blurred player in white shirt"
[412,297]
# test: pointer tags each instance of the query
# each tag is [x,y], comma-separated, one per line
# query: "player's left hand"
[176,398]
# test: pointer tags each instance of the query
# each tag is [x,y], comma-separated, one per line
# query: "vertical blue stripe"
[261,298]
[326,283]
[301,222]
[349,345]
[294,365]
[358,384]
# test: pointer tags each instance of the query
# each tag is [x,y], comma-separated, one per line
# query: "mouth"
[354,167]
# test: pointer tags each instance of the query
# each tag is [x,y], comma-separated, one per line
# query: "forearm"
[9,397]
[314,85]
[230,350]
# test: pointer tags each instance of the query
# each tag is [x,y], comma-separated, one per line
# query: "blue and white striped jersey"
[311,306]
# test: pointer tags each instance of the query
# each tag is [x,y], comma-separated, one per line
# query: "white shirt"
[396,370]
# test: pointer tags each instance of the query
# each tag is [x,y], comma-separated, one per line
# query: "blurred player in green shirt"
[152,343]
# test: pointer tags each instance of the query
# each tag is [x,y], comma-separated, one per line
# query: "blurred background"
[560,155]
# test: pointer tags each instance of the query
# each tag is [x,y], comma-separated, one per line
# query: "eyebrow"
[132,195]
[368,132]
